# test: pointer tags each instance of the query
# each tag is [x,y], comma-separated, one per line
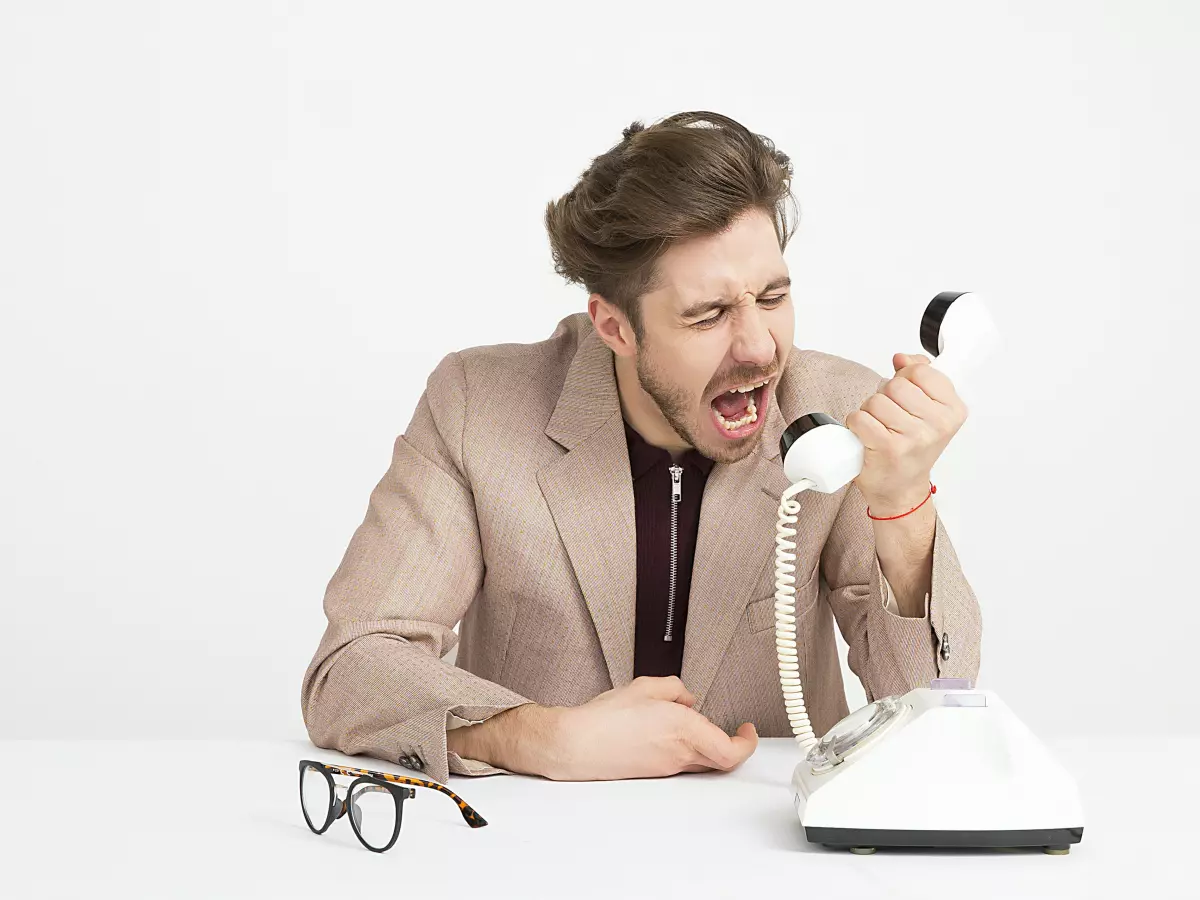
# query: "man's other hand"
[646,729]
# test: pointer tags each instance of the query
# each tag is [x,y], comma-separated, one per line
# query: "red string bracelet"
[932,491]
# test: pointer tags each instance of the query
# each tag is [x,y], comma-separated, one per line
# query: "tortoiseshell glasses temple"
[472,818]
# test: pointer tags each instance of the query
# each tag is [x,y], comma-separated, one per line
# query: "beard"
[679,409]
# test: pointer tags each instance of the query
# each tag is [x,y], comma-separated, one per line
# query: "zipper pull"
[676,483]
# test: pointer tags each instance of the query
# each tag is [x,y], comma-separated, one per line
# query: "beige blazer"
[508,506]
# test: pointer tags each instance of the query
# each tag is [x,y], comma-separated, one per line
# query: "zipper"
[676,494]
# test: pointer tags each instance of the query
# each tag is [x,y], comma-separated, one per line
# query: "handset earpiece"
[958,332]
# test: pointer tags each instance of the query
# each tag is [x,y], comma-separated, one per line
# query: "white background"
[235,237]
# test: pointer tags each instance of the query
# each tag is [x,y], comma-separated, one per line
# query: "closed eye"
[768,302]
[711,320]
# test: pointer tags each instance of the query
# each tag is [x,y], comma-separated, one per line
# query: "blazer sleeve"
[377,683]
[890,653]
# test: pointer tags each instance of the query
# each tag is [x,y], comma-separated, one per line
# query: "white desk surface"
[222,819]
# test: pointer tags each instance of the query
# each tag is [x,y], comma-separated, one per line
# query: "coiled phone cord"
[785,615]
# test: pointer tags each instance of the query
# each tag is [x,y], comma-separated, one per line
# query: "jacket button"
[945,645]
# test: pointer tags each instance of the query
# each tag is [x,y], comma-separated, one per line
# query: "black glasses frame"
[400,787]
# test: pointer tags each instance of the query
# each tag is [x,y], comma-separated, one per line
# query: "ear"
[612,325]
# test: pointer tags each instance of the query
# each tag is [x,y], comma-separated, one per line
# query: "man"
[599,509]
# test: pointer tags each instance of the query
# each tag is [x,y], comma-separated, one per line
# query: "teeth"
[750,416]
[747,387]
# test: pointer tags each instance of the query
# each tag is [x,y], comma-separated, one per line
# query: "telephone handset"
[1004,788]
[823,455]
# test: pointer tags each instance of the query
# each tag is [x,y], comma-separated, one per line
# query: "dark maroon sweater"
[652,498]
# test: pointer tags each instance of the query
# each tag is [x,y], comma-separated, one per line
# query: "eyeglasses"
[375,801]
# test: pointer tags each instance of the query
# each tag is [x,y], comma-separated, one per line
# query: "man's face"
[724,319]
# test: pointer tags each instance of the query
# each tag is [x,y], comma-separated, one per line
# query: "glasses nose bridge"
[340,793]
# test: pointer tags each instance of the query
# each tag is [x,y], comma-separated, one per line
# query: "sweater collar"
[643,456]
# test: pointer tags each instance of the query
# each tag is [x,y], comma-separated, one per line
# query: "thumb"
[900,360]
[715,746]
[746,736]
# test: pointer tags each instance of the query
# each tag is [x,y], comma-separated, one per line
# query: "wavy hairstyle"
[690,175]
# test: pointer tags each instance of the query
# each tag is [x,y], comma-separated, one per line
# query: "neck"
[642,413]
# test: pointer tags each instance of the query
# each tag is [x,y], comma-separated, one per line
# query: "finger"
[911,398]
[890,413]
[713,744]
[670,688]
[868,429]
[935,384]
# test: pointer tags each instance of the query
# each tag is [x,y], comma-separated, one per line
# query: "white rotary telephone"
[946,765]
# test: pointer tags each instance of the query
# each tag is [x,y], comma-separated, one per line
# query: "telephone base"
[941,767]
[1049,840]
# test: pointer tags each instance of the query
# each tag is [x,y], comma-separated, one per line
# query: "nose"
[753,344]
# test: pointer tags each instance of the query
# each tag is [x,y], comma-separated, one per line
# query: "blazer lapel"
[736,530]
[590,495]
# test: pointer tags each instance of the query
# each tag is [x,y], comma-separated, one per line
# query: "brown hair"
[690,175]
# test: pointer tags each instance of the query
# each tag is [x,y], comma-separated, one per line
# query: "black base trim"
[888,837]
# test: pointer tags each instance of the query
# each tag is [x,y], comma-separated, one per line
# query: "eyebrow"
[703,306]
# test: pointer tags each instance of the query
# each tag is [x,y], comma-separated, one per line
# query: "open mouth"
[739,412]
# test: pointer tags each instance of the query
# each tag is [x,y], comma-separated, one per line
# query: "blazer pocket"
[760,614]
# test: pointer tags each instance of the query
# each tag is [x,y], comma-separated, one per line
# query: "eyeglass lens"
[375,812]
[316,797]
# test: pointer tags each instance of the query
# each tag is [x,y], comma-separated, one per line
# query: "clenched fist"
[904,427]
